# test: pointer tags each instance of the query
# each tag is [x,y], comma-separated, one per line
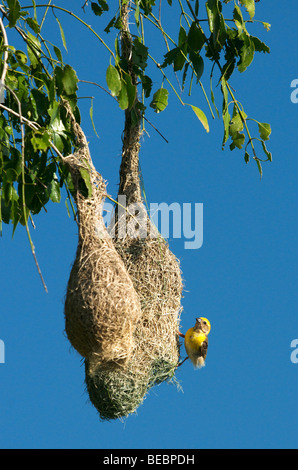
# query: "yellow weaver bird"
[196,342]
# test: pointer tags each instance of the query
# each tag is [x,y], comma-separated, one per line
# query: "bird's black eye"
[205,323]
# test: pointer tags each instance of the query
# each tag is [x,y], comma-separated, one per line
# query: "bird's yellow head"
[202,324]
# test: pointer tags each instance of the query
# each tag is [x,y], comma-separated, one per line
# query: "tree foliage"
[212,38]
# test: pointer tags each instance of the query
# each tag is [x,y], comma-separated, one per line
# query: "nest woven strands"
[155,273]
[101,305]
[156,276]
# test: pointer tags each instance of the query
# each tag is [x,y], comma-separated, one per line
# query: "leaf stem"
[23,185]
[77,18]
[242,118]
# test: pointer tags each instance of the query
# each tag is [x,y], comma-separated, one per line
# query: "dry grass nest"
[155,273]
[122,306]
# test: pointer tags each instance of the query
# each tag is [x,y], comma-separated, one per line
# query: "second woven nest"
[156,276]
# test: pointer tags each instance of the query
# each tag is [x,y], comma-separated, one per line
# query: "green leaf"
[14,12]
[213,98]
[170,56]
[110,25]
[212,13]
[55,194]
[201,116]
[56,126]
[41,101]
[117,51]
[5,212]
[216,23]
[40,140]
[238,19]
[259,166]
[224,94]
[198,63]
[103,4]
[113,80]
[11,175]
[54,113]
[267,153]
[32,23]
[69,80]
[131,90]
[139,54]
[246,157]
[21,57]
[222,32]
[259,45]
[180,58]
[97,10]
[58,54]
[86,177]
[250,7]
[264,130]
[236,124]
[197,7]
[67,208]
[238,140]
[195,37]
[7,192]
[160,100]
[182,37]
[147,85]
[91,117]
[33,48]
[123,96]
[137,13]
[246,54]
[66,80]
[62,34]
[184,75]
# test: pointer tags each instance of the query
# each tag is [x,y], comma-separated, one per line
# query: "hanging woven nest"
[156,276]
[122,307]
[101,305]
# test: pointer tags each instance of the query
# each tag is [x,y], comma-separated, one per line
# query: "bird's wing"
[204,348]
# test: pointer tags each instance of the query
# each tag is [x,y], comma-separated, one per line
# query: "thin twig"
[110,94]
[5,58]
[156,129]
[85,4]
[23,184]
[45,14]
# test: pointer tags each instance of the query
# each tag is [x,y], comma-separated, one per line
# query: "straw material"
[101,306]
[156,276]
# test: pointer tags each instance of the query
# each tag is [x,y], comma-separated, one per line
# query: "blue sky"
[243,278]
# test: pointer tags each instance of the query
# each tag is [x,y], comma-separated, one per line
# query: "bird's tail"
[200,362]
